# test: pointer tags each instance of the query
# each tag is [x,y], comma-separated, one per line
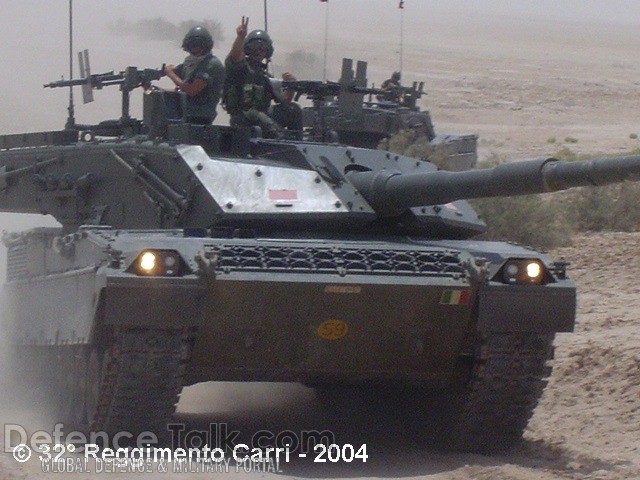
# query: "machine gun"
[318,90]
[321,94]
[128,80]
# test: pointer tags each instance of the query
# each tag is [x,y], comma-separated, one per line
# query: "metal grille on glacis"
[341,261]
[17,263]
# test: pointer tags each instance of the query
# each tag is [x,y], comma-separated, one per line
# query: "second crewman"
[247,90]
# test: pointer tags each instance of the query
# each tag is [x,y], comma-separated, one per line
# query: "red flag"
[401,4]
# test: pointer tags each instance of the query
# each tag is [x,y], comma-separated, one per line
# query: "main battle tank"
[364,117]
[194,253]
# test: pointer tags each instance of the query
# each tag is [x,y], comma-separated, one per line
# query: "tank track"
[508,378]
[140,381]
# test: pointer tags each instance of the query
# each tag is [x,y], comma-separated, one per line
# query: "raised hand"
[243,28]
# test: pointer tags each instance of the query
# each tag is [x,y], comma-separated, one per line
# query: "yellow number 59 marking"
[332,329]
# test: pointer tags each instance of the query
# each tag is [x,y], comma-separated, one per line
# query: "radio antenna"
[71,122]
[326,40]
[266,23]
[266,29]
[401,7]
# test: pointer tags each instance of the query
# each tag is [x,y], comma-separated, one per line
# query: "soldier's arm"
[193,88]
[170,71]
[190,88]
[213,75]
[288,94]
[237,49]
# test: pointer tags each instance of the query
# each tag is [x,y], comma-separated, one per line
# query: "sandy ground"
[527,89]
[530,89]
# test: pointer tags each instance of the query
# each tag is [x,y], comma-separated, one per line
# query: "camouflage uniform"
[248,95]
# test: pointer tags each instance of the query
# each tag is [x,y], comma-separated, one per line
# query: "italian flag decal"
[455,297]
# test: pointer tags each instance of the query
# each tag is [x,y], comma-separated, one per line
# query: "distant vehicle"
[360,120]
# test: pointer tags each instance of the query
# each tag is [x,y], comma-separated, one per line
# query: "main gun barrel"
[391,192]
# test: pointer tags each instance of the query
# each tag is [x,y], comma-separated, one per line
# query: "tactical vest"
[254,92]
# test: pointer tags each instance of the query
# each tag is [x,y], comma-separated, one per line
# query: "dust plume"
[15,395]
[303,64]
[161,29]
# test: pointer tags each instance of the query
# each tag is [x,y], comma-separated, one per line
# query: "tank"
[364,117]
[192,253]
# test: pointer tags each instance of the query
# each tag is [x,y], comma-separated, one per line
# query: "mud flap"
[526,308]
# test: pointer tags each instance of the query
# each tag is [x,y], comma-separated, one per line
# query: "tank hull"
[280,310]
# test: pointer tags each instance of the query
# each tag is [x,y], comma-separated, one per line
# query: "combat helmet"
[396,76]
[197,37]
[258,39]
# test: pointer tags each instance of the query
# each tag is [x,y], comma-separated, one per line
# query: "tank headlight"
[160,263]
[534,270]
[148,262]
[523,271]
[511,270]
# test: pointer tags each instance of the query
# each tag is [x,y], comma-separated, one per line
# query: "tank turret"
[148,182]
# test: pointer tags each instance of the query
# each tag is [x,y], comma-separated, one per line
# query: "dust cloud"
[160,28]
[20,403]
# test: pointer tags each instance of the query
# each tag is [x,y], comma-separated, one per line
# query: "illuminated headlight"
[166,263]
[523,271]
[534,270]
[148,262]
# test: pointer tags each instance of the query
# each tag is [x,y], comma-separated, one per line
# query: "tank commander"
[200,76]
[392,87]
[248,92]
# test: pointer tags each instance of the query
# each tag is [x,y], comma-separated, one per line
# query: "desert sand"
[528,89]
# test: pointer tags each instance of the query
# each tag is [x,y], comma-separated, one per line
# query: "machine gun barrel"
[316,88]
[391,192]
[129,79]
[97,81]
